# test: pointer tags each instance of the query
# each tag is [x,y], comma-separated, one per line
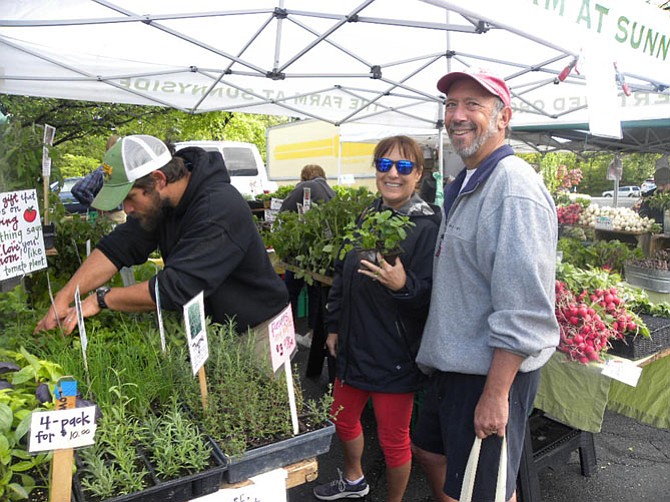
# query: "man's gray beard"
[470,151]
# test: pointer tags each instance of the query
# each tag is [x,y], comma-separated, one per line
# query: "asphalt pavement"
[633,463]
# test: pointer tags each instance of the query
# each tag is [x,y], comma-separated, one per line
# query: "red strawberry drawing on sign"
[29,215]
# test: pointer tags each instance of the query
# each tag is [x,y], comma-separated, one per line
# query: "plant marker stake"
[159,314]
[61,464]
[202,378]
[196,333]
[291,394]
[281,331]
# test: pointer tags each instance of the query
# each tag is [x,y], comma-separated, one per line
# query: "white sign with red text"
[282,344]
[282,338]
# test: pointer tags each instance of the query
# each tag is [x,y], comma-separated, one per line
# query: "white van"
[244,163]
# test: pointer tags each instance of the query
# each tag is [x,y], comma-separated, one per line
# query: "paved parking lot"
[633,464]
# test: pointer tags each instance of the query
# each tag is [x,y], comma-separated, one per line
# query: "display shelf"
[298,474]
[323,279]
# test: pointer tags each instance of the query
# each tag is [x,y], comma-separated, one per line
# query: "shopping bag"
[471,470]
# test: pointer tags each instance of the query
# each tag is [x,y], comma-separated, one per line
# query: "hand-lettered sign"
[21,241]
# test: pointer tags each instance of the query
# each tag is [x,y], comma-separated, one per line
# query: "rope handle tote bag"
[471,469]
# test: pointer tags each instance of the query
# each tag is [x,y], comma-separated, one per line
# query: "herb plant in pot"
[377,232]
[248,414]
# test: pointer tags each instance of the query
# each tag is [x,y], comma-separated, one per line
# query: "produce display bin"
[654,280]
[273,456]
[180,489]
[636,347]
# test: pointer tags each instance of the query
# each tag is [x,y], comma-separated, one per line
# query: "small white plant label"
[622,370]
[282,344]
[60,429]
[282,338]
[159,313]
[81,325]
[194,318]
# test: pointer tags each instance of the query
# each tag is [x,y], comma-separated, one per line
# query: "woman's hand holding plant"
[393,276]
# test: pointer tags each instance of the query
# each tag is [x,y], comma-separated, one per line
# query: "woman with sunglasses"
[375,318]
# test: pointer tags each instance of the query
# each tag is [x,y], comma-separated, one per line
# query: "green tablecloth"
[577,394]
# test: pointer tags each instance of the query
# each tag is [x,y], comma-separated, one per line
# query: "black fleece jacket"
[379,331]
[209,243]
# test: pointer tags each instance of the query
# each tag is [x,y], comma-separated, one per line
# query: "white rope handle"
[471,470]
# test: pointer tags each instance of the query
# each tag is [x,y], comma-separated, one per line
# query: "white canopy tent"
[371,61]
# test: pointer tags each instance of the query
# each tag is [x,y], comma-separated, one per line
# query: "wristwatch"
[100,294]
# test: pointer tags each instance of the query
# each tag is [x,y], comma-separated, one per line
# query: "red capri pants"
[393,413]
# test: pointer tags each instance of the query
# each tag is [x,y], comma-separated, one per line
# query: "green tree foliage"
[20,156]
[636,168]
[76,120]
[83,127]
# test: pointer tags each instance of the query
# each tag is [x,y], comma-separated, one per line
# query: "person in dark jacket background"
[312,178]
[88,187]
[662,182]
[184,206]
[375,318]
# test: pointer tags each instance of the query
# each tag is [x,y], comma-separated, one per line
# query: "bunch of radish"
[622,218]
[589,320]
[569,214]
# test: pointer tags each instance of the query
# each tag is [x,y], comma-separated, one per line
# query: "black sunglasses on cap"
[404,167]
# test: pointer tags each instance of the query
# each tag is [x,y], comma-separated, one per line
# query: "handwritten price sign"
[268,487]
[21,242]
[55,430]
[282,337]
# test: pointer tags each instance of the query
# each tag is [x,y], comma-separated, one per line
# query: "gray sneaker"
[342,489]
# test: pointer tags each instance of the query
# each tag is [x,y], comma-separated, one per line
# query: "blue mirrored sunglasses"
[384,165]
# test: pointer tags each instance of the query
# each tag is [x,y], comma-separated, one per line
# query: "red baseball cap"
[492,83]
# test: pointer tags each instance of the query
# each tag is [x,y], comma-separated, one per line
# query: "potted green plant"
[377,232]
[248,414]
[311,242]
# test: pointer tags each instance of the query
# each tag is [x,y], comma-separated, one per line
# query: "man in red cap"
[491,324]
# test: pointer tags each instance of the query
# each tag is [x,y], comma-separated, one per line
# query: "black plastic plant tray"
[273,456]
[640,346]
[174,490]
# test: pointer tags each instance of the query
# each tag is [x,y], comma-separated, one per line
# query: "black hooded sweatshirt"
[208,242]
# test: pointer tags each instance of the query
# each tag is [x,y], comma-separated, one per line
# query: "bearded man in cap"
[491,324]
[184,206]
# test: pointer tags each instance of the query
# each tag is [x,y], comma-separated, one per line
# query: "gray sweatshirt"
[494,275]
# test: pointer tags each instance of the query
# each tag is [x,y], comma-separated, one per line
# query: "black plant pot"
[371,255]
[280,454]
[49,235]
[367,254]
[180,489]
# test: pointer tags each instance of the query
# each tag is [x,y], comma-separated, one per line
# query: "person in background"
[185,207]
[312,178]
[88,187]
[662,182]
[375,317]
[491,325]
